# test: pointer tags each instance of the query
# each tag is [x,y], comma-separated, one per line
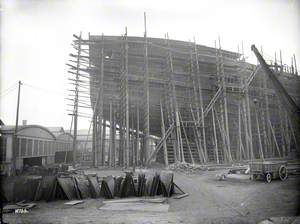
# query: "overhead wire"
[9,89]
[43,89]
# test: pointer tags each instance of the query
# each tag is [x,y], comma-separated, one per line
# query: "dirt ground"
[234,200]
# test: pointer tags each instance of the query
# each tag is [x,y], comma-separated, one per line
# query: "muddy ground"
[234,200]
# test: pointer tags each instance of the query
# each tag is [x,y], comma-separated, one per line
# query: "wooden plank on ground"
[181,196]
[136,206]
[128,200]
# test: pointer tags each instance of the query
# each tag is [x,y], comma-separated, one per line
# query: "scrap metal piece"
[107,187]
[69,187]
[95,188]
[166,182]
[83,186]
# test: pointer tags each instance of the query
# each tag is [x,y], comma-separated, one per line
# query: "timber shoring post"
[239,133]
[103,148]
[101,104]
[166,159]
[221,85]
[195,100]
[274,138]
[287,132]
[76,102]
[246,129]
[263,116]
[146,145]
[197,136]
[110,134]
[215,135]
[294,134]
[249,120]
[114,139]
[121,141]
[221,128]
[173,103]
[187,140]
[295,63]
[201,101]
[223,78]
[137,134]
[127,105]
[132,138]
[282,134]
[258,132]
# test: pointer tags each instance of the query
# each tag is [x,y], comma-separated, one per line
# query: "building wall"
[32,141]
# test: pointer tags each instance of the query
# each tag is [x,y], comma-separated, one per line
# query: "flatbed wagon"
[268,170]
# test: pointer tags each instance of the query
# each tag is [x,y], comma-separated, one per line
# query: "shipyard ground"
[234,200]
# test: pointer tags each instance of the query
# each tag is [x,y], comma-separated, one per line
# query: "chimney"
[24,122]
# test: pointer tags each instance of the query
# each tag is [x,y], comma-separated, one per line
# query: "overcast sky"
[36,37]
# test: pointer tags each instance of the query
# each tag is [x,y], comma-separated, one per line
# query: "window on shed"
[3,149]
[23,146]
[17,147]
[46,147]
[29,147]
[41,146]
[51,148]
[36,147]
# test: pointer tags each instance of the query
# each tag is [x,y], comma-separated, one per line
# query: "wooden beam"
[215,136]
[166,159]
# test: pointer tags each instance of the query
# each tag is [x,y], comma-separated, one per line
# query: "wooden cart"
[268,170]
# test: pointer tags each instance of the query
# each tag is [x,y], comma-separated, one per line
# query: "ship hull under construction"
[203,104]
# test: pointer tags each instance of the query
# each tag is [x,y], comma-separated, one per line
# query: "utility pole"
[18,106]
[16,129]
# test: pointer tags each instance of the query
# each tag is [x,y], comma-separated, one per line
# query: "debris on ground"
[75,202]
[245,170]
[221,176]
[187,168]
[239,170]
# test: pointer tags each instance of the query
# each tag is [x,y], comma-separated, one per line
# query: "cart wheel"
[268,177]
[282,172]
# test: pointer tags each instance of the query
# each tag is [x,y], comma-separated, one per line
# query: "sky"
[36,38]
